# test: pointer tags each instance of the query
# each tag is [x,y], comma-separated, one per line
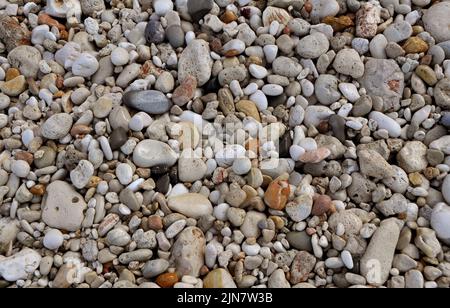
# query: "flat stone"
[188,252]
[377,260]
[57,126]
[19,265]
[302,265]
[436,21]
[412,157]
[8,232]
[197,9]
[150,153]
[219,278]
[348,62]
[150,101]
[384,78]
[192,205]
[195,60]
[62,207]
[313,46]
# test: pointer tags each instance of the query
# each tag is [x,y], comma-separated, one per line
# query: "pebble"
[313,46]
[63,207]
[192,205]
[57,126]
[348,62]
[150,153]
[219,278]
[387,123]
[436,22]
[150,101]
[85,65]
[188,252]
[439,218]
[19,265]
[20,168]
[81,175]
[377,260]
[195,61]
[53,239]
[119,56]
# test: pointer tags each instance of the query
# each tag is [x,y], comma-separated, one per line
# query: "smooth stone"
[19,265]
[250,225]
[9,229]
[119,56]
[377,261]
[175,35]
[300,240]
[155,267]
[191,205]
[195,60]
[150,153]
[436,21]
[62,207]
[323,8]
[20,168]
[326,89]
[441,216]
[190,168]
[85,65]
[57,126]
[150,101]
[350,91]
[219,278]
[197,9]
[53,239]
[387,123]
[277,280]
[285,66]
[188,252]
[398,31]
[118,237]
[117,138]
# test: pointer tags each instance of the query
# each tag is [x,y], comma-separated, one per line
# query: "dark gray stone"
[151,101]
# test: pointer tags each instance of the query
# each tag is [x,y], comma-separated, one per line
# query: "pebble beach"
[224,144]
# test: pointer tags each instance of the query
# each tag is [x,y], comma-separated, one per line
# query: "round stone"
[119,56]
[57,126]
[53,239]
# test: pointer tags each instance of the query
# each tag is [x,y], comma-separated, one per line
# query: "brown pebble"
[322,204]
[167,280]
[11,73]
[277,193]
[38,190]
[80,130]
[155,223]
[185,92]
[228,16]
[22,155]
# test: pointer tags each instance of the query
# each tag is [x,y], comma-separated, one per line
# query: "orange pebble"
[167,280]
[277,193]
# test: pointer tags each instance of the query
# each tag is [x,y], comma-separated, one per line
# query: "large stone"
[436,21]
[385,79]
[150,101]
[192,205]
[196,61]
[377,260]
[8,232]
[188,252]
[57,126]
[150,153]
[20,265]
[62,207]
[219,278]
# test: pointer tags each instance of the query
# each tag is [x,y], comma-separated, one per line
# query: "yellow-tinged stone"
[427,74]
[340,23]
[218,278]
[14,86]
[415,178]
[415,45]
[249,108]
[12,73]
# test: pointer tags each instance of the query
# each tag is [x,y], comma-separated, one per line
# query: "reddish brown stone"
[322,204]
[12,34]
[185,91]
[22,155]
[314,157]
[167,280]
[80,130]
[155,223]
[277,193]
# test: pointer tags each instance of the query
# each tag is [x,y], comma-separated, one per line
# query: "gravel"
[224,144]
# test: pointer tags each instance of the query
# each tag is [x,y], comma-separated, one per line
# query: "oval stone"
[150,101]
